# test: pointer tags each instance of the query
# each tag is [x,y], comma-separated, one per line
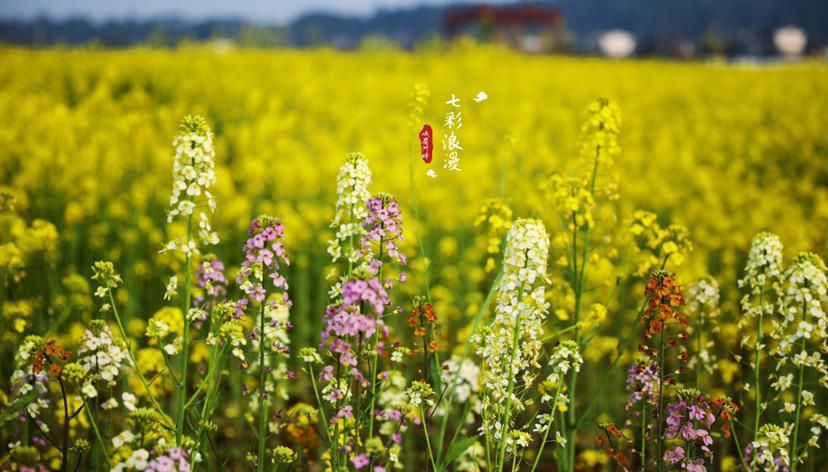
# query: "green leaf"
[436,379]
[457,448]
[18,404]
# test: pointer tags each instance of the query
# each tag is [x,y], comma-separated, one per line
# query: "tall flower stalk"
[265,259]
[383,231]
[367,232]
[804,321]
[762,279]
[664,298]
[510,345]
[193,174]
[341,318]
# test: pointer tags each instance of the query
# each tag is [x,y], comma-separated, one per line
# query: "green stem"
[185,349]
[321,406]
[573,378]
[800,384]
[98,436]
[375,354]
[559,332]
[739,448]
[507,418]
[210,396]
[485,417]
[94,452]
[643,435]
[358,391]
[262,401]
[428,443]
[548,428]
[563,452]
[698,332]
[337,406]
[757,353]
[386,448]
[579,290]
[660,417]
[621,348]
[132,360]
[195,395]
[466,348]
[64,463]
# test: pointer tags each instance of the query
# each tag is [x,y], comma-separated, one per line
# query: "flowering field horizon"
[583,291]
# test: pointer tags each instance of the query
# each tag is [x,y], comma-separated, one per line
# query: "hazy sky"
[262,10]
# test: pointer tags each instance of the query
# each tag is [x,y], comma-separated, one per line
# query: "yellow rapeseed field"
[710,154]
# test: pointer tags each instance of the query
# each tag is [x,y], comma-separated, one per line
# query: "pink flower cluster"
[347,318]
[264,257]
[175,459]
[371,292]
[383,226]
[642,382]
[676,456]
[210,278]
[690,420]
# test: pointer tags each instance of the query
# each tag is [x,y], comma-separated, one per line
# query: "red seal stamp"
[426,143]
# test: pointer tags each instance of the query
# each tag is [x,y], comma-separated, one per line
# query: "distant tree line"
[661,27]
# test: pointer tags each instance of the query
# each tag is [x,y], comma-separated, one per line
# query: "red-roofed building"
[529,27]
